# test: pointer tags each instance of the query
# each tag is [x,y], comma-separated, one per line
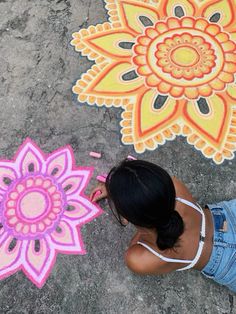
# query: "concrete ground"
[37,70]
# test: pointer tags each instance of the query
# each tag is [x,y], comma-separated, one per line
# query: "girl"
[173,231]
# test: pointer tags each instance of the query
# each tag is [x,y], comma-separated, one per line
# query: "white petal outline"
[38,279]
[16,265]
[29,147]
[84,174]
[74,248]
[10,166]
[69,158]
[94,210]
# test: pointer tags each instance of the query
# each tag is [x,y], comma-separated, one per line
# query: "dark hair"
[144,194]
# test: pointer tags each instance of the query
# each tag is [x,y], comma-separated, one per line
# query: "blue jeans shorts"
[222,264]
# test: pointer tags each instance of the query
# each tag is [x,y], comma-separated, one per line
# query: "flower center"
[33,205]
[185,56]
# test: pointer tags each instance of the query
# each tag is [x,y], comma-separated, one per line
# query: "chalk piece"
[104,175]
[101,178]
[131,157]
[95,155]
[96,193]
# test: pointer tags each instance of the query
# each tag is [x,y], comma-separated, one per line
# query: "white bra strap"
[166,259]
[199,209]
[181,200]
[196,258]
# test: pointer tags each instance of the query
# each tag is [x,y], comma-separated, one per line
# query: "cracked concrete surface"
[38,68]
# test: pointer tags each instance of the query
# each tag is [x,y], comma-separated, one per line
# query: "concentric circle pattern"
[179,61]
[32,206]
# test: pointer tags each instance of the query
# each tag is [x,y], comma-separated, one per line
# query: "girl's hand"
[98,193]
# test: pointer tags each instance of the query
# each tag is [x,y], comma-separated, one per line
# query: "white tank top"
[193,262]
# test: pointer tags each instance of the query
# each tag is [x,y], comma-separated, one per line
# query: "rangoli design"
[42,207]
[170,65]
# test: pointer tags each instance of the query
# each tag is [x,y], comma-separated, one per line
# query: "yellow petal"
[151,32]
[231,90]
[144,70]
[229,67]
[144,40]
[213,29]
[177,91]
[187,22]
[107,43]
[110,80]
[226,77]
[140,60]
[161,27]
[107,86]
[224,7]
[173,23]
[205,90]
[164,87]
[222,37]
[191,93]
[201,24]
[130,14]
[185,4]
[228,46]
[151,121]
[231,57]
[217,84]
[153,80]
[214,125]
[138,49]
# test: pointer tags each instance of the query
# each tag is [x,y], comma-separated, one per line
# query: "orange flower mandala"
[171,67]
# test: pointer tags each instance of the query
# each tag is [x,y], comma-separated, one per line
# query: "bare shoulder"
[181,189]
[177,182]
[142,262]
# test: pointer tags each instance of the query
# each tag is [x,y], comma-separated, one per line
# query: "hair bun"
[169,232]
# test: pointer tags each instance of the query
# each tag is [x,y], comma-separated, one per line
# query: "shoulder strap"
[202,232]
[183,201]
[166,259]
[199,209]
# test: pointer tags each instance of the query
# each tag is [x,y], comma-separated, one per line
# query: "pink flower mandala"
[42,206]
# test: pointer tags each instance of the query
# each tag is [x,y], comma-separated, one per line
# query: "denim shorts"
[222,264]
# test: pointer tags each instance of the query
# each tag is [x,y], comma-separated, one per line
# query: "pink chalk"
[101,178]
[96,193]
[95,155]
[131,157]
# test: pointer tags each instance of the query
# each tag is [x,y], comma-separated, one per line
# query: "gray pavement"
[38,68]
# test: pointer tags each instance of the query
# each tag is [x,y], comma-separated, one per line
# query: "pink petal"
[75,210]
[7,174]
[59,163]
[38,264]
[81,209]
[66,238]
[10,260]
[30,159]
[76,182]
